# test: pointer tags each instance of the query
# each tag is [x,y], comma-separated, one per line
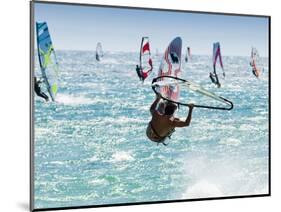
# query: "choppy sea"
[91,147]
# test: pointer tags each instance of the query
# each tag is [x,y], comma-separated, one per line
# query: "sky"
[118,29]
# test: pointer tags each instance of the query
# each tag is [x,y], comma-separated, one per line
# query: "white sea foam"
[247,127]
[230,142]
[202,189]
[98,182]
[122,156]
[57,162]
[110,61]
[79,100]
[73,100]
[222,176]
[123,120]
[94,158]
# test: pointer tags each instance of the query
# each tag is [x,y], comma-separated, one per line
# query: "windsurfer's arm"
[154,104]
[179,123]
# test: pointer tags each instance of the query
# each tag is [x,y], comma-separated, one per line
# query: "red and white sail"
[145,57]
[171,66]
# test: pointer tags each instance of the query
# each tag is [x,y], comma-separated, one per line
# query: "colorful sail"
[99,52]
[145,58]
[169,84]
[254,61]
[47,59]
[216,57]
[185,86]
[188,54]
[171,66]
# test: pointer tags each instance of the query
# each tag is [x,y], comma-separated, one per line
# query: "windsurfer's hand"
[191,106]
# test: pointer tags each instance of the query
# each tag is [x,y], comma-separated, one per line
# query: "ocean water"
[91,147]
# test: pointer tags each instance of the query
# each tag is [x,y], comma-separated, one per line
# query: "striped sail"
[145,56]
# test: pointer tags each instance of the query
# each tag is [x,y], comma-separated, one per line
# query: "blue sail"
[47,59]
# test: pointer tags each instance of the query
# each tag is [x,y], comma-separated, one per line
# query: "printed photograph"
[141,106]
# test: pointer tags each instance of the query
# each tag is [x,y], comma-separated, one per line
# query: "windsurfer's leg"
[45,97]
[212,78]
[42,95]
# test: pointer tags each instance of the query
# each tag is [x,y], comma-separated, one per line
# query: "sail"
[216,57]
[145,56]
[171,66]
[47,59]
[255,61]
[170,87]
[99,52]
[254,56]
[185,86]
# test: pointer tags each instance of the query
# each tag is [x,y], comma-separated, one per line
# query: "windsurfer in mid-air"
[38,90]
[163,122]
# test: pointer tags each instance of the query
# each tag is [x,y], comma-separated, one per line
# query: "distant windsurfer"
[145,62]
[187,54]
[216,57]
[163,122]
[139,72]
[38,90]
[254,60]
[255,71]
[144,74]
[99,52]
[214,79]
[97,57]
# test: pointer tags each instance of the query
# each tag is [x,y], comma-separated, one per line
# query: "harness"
[162,138]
